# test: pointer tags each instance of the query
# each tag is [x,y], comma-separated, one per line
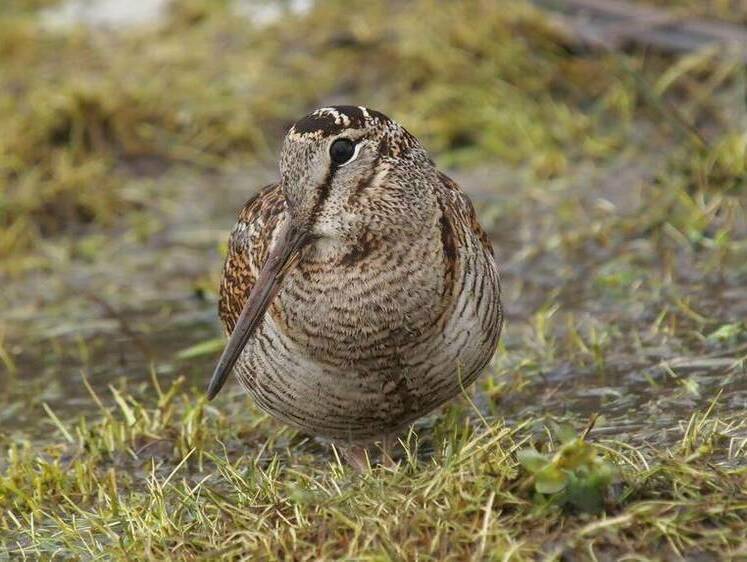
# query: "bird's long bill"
[283,256]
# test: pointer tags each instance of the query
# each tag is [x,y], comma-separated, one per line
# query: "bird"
[359,292]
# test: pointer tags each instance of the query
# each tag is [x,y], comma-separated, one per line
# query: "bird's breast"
[364,306]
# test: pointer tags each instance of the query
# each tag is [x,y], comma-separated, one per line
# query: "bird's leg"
[387,444]
[356,456]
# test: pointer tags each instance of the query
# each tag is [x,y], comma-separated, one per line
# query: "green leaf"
[586,492]
[564,432]
[532,460]
[575,454]
[550,480]
[726,332]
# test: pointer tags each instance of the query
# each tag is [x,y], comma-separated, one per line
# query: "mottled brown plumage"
[369,291]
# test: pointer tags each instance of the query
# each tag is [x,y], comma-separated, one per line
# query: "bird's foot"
[357,457]
[387,445]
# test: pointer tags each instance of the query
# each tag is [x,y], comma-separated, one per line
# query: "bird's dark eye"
[341,151]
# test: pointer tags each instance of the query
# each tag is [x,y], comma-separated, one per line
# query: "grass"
[177,479]
[611,422]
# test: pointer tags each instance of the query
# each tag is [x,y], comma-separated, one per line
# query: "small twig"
[614,22]
[589,426]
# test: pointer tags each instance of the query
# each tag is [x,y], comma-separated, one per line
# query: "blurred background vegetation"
[611,174]
[82,109]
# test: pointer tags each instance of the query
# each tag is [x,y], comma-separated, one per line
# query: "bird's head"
[335,161]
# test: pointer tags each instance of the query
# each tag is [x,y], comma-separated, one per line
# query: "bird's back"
[248,247]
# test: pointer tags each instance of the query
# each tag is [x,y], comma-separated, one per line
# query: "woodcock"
[359,291]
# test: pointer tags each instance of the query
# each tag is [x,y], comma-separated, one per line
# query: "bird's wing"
[461,211]
[470,261]
[247,250]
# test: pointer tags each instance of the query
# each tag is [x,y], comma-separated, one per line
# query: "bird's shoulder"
[248,247]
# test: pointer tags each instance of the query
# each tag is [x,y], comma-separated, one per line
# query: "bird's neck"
[380,244]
